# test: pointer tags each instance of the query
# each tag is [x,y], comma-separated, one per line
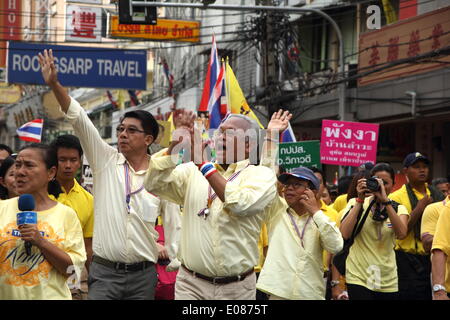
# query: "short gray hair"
[253,124]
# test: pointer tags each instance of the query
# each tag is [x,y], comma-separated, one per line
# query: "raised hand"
[184,119]
[279,121]
[48,68]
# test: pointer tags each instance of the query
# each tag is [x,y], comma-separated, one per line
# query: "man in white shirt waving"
[124,241]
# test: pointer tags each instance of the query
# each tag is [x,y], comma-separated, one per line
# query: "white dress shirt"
[119,235]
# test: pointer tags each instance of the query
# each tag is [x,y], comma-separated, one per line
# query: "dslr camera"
[372,184]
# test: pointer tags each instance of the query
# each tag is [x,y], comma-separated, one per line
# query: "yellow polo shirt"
[431,215]
[441,240]
[334,217]
[340,202]
[410,244]
[83,203]
[263,242]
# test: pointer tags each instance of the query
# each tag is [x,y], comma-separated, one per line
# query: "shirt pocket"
[150,211]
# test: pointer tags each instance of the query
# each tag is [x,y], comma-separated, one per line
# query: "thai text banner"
[80,66]
[299,154]
[348,143]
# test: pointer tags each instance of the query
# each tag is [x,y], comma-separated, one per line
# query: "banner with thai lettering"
[348,143]
[80,66]
[299,154]
[165,29]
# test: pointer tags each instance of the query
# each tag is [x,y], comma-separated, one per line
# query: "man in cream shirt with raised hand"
[224,206]
[124,242]
[298,235]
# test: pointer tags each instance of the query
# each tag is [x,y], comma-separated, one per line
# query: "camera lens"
[372,184]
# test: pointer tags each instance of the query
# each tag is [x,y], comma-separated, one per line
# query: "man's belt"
[220,280]
[127,267]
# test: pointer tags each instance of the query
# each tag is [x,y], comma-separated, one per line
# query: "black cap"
[301,173]
[412,158]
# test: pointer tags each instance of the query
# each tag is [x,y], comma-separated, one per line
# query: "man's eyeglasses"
[129,130]
[296,185]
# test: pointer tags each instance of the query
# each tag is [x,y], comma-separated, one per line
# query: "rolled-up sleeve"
[253,193]
[167,180]
[97,151]
[441,239]
[330,236]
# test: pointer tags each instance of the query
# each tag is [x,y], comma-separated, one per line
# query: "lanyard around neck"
[212,196]
[296,228]
[128,184]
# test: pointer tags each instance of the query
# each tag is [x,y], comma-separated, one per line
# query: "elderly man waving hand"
[224,206]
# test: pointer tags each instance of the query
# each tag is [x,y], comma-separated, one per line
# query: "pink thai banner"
[348,143]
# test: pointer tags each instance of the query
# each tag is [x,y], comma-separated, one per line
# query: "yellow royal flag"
[389,12]
[121,100]
[172,125]
[235,96]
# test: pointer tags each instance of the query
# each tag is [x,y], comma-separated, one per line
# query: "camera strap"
[360,224]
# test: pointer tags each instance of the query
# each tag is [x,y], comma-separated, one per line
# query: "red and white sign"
[10,25]
[348,143]
[84,24]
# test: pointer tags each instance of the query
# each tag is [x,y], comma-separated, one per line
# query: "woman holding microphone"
[57,247]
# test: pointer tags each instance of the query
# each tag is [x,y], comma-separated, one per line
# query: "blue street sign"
[79,66]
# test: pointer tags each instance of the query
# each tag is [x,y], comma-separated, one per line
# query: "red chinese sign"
[84,24]
[405,39]
[10,25]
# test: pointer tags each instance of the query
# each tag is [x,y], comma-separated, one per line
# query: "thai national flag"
[31,131]
[288,135]
[213,89]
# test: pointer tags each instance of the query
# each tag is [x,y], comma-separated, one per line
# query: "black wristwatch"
[389,202]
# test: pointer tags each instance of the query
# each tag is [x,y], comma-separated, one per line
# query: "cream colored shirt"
[119,235]
[290,270]
[226,242]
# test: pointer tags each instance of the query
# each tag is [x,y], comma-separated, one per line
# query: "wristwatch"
[439,287]
[334,283]
[389,202]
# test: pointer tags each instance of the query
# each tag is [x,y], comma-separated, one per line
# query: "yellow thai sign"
[9,93]
[165,29]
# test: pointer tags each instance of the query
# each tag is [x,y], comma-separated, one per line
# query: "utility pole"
[341,86]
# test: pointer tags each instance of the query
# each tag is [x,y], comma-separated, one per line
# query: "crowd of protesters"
[170,223]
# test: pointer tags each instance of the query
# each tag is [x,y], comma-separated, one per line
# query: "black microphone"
[26,216]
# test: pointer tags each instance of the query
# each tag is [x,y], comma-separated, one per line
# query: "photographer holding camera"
[371,270]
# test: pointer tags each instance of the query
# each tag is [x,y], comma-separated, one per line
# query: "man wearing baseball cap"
[413,262]
[299,231]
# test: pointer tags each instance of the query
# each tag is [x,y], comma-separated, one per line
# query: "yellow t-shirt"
[263,242]
[340,202]
[441,240]
[371,260]
[410,244]
[431,215]
[334,217]
[83,203]
[33,277]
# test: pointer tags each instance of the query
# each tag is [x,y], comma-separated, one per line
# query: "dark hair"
[68,141]
[148,122]
[6,164]
[316,170]
[351,192]
[383,166]
[437,181]
[51,160]
[343,184]
[7,148]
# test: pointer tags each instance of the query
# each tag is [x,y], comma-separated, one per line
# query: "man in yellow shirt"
[440,256]
[69,153]
[429,222]
[413,263]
